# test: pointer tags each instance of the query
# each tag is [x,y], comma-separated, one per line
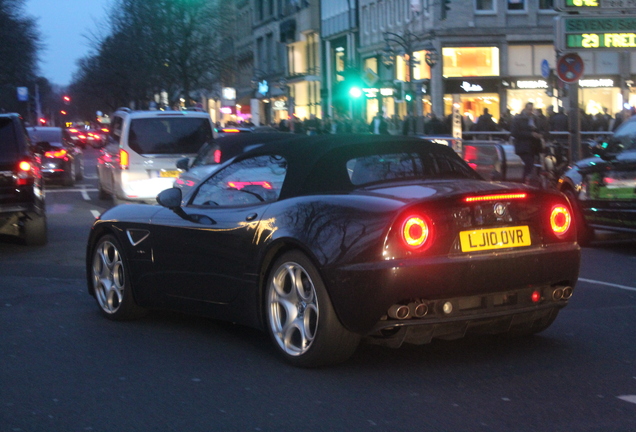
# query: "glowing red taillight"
[24,166]
[560,220]
[230,130]
[416,231]
[55,154]
[124,159]
[493,197]
[536,296]
[217,156]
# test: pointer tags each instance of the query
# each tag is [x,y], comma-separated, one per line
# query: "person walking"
[527,139]
[485,123]
[378,125]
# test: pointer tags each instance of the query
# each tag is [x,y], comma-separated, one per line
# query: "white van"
[139,158]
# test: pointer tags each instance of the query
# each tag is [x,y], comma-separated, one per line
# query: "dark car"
[62,160]
[22,210]
[325,240]
[221,149]
[603,188]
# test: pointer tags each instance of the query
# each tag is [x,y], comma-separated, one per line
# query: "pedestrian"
[505,120]
[434,126]
[485,123]
[560,122]
[409,126]
[378,125]
[527,139]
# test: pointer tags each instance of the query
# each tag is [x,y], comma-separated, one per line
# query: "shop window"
[484,5]
[516,5]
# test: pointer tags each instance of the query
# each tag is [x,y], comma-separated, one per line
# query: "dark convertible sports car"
[325,240]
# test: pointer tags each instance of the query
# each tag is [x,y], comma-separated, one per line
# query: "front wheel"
[300,317]
[111,282]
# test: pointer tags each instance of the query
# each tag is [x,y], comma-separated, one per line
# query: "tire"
[69,179]
[300,317]
[584,233]
[79,172]
[111,282]
[34,230]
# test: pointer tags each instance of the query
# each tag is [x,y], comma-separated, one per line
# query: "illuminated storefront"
[471,80]
[524,90]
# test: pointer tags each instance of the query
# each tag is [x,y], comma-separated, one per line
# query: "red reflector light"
[560,219]
[55,154]
[217,156]
[495,197]
[536,296]
[415,231]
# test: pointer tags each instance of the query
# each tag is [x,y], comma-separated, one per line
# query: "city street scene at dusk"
[318,215]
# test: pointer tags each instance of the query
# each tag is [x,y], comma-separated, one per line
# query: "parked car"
[62,160]
[324,240]
[602,188]
[143,147]
[22,209]
[214,153]
[493,160]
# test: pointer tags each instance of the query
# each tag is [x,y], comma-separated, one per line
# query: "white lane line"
[95,213]
[628,398]
[81,190]
[85,195]
[624,287]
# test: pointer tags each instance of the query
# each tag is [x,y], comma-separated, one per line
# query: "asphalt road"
[65,368]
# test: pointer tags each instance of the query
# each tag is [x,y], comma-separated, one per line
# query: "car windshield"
[8,145]
[169,135]
[625,136]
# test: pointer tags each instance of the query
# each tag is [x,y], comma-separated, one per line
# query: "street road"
[65,368]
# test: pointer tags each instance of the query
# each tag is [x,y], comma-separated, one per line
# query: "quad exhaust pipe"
[562,293]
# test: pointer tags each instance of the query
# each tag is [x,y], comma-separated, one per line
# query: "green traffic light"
[408,97]
[355,92]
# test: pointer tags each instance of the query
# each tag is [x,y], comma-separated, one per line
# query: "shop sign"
[263,87]
[531,84]
[596,83]
[602,32]
[229,93]
[371,92]
[279,105]
[386,91]
[472,85]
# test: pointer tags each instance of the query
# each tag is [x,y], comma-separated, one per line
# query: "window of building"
[516,5]
[546,4]
[470,61]
[484,6]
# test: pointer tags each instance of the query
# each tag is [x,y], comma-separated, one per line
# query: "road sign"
[570,68]
[599,32]
[23,94]
[545,69]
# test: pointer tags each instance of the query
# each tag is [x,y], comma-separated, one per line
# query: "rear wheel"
[111,283]
[584,233]
[34,230]
[69,175]
[300,317]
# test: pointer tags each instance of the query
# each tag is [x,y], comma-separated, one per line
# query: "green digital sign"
[595,5]
[583,3]
[601,32]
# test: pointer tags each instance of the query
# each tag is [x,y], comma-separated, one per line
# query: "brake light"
[25,166]
[230,130]
[55,154]
[241,184]
[124,160]
[416,232]
[24,175]
[495,197]
[73,130]
[217,156]
[560,220]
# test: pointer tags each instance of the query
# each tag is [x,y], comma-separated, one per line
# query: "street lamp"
[406,42]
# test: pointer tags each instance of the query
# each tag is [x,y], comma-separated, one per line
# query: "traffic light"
[355,92]
[445,8]
[398,93]
[408,96]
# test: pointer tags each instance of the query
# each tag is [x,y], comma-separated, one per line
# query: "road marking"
[628,288]
[95,213]
[85,195]
[81,190]
[628,398]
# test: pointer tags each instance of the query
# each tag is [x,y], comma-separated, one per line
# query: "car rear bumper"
[478,286]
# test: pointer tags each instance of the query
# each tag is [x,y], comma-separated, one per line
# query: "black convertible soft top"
[317,164]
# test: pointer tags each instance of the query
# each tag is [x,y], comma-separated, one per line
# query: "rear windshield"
[169,135]
[8,145]
[52,136]
[406,166]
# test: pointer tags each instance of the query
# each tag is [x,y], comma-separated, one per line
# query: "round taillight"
[25,166]
[415,231]
[560,219]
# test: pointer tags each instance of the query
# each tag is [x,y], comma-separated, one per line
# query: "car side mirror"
[183,164]
[170,198]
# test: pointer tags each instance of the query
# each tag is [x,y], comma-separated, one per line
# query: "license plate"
[494,238]
[165,173]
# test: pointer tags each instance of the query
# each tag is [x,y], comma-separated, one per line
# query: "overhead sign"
[23,94]
[595,5]
[545,69]
[570,68]
[600,32]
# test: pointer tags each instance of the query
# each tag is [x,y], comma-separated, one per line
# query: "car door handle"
[251,217]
